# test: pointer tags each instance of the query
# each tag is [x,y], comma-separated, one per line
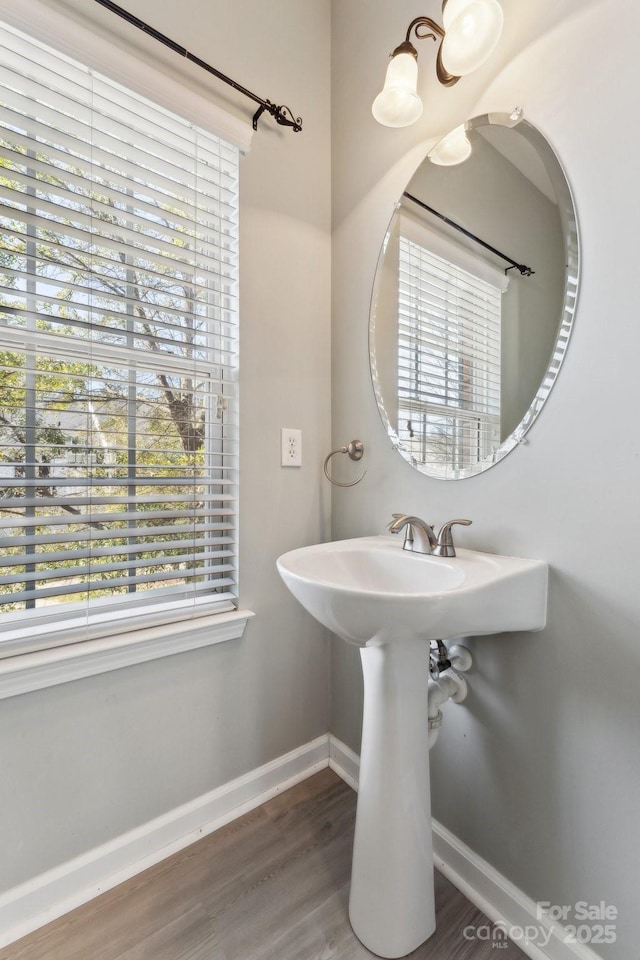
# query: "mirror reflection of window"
[508,203]
[449,335]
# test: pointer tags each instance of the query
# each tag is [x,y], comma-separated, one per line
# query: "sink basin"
[390,602]
[371,591]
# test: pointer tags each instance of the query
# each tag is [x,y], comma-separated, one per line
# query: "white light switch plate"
[291,447]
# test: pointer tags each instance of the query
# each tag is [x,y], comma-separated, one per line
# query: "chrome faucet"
[420,537]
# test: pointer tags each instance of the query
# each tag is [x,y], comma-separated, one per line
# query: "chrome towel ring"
[355,449]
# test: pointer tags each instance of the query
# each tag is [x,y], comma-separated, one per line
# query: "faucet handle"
[445,547]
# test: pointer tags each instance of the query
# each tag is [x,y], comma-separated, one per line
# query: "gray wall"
[538,772]
[83,762]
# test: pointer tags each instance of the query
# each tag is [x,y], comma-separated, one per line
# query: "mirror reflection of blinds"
[448,359]
[118,346]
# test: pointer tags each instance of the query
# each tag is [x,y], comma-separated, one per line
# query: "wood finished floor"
[272,885]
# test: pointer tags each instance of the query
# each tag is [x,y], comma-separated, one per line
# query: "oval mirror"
[474,297]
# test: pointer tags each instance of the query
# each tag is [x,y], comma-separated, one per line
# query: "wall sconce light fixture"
[469,34]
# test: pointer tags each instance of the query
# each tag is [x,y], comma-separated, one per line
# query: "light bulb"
[398,104]
[472,30]
[452,149]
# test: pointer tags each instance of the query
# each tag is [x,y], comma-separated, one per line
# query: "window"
[118,349]
[448,360]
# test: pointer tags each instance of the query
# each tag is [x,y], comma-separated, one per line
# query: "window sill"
[47,668]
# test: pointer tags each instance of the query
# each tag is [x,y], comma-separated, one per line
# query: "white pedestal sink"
[390,603]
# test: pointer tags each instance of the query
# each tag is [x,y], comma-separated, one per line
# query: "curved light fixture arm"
[434,31]
[425,28]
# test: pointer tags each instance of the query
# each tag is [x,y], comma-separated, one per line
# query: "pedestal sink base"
[391,905]
[391,603]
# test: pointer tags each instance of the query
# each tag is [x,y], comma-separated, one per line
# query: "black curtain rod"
[281,114]
[524,271]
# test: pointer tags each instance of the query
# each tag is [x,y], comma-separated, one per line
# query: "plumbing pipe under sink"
[449,686]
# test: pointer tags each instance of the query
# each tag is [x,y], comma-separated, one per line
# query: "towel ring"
[355,449]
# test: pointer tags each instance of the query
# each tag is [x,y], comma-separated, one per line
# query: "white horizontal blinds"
[118,344]
[448,359]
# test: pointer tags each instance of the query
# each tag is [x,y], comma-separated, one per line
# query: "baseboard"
[32,904]
[29,906]
[344,762]
[502,902]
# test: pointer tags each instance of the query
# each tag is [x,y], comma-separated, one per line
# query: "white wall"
[83,762]
[539,770]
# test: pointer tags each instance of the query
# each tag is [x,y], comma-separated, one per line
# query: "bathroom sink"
[390,602]
[370,591]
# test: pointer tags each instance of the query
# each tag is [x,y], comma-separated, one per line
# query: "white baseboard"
[502,902]
[52,894]
[56,892]
[344,762]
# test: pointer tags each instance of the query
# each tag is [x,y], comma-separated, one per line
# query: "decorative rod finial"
[281,114]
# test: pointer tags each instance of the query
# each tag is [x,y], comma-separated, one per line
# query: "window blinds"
[118,346]
[448,360]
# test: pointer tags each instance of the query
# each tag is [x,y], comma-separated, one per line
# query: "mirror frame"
[560,183]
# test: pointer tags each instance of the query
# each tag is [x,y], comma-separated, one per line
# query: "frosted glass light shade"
[472,30]
[452,149]
[398,104]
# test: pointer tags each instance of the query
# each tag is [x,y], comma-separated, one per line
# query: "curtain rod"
[524,271]
[281,114]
